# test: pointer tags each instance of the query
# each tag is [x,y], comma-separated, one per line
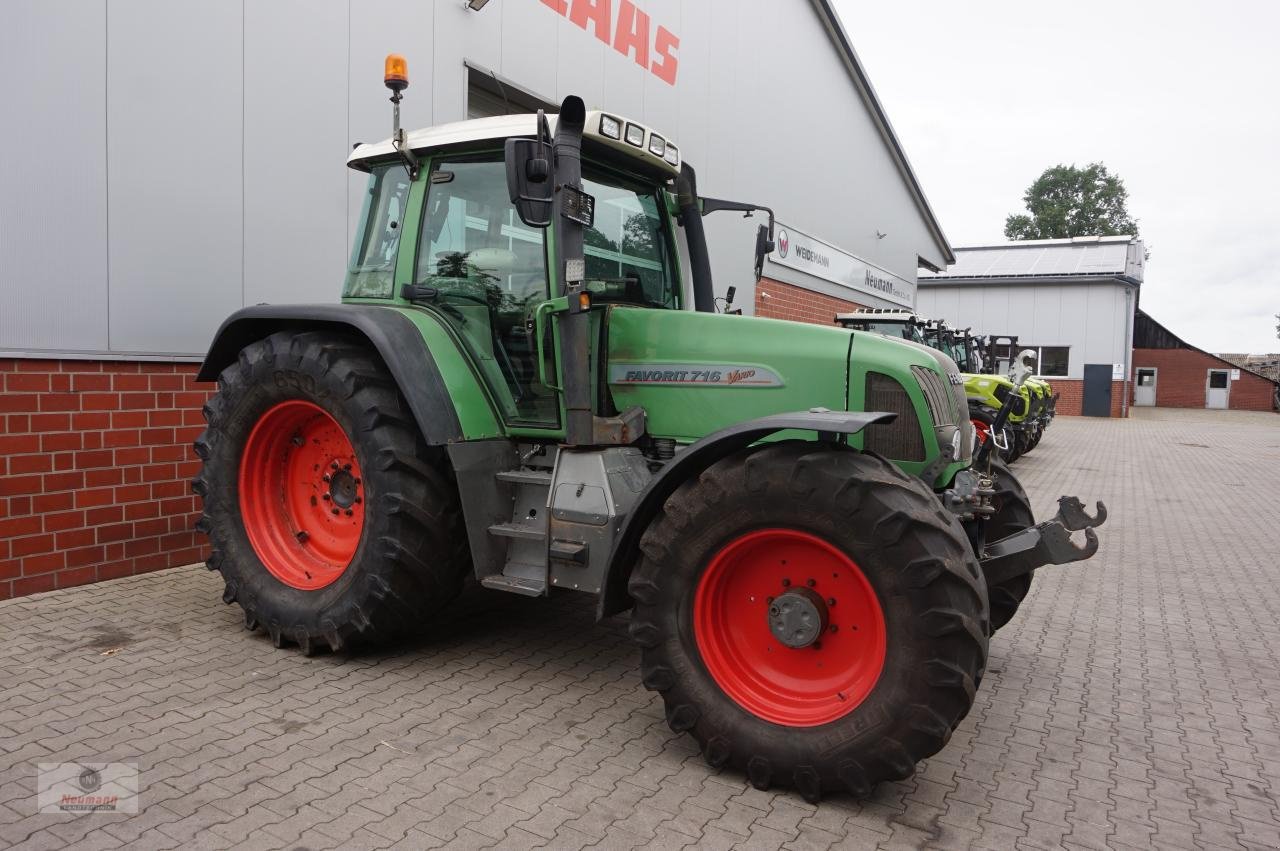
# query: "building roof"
[1079,257]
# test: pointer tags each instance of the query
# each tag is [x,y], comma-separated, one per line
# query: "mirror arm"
[400,140]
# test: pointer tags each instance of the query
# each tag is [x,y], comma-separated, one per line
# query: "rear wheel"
[1013,514]
[812,616]
[329,518]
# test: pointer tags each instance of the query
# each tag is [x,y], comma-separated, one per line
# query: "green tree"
[1067,201]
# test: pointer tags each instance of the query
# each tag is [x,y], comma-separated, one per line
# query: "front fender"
[395,337]
[692,461]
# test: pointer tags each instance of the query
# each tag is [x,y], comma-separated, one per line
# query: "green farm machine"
[516,388]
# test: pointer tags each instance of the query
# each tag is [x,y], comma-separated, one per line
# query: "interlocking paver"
[1134,702]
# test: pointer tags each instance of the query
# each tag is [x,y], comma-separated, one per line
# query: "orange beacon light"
[396,73]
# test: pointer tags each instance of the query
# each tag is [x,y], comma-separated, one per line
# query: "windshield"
[905,330]
[371,272]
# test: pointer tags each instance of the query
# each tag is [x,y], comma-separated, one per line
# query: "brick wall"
[1071,396]
[95,470]
[1181,376]
[786,301]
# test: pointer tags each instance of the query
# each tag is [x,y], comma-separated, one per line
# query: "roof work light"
[396,73]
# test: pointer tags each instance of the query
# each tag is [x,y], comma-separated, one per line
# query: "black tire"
[410,557]
[1017,445]
[1013,514]
[915,556]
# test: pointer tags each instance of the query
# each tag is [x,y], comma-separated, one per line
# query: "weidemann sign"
[822,260]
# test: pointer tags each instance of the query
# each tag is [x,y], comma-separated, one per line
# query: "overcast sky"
[1182,100]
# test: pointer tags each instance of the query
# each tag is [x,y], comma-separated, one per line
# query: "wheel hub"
[344,488]
[798,618]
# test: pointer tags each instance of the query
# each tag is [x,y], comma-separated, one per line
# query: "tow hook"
[1045,543]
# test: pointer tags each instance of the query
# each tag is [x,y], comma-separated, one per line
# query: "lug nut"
[326,497]
[302,537]
[346,467]
[335,511]
[348,512]
[333,464]
[831,601]
[834,628]
[786,583]
[359,500]
[811,582]
[325,478]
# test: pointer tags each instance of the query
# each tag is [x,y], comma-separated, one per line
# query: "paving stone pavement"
[1134,702]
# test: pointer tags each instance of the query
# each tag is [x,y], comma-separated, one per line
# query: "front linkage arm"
[1043,544]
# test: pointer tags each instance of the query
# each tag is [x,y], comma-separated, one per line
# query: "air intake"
[901,439]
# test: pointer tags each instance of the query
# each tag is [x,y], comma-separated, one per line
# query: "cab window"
[627,250]
[371,271]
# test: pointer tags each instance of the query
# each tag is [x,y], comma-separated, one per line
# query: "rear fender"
[390,332]
[691,462]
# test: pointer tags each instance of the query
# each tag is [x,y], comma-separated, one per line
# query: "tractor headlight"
[635,135]
[956,444]
[611,127]
[657,145]
[673,155]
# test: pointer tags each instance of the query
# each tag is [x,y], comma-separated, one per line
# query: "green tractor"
[514,388]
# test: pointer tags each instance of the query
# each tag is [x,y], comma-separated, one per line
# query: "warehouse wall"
[203,143]
[1182,373]
[1094,319]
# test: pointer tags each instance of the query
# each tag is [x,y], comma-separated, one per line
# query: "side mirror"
[529,181]
[764,245]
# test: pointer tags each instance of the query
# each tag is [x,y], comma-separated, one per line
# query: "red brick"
[103,478]
[141,510]
[13,403]
[26,382]
[100,402]
[129,419]
[15,526]
[95,458]
[10,569]
[43,563]
[63,481]
[160,490]
[133,455]
[62,520]
[186,435]
[164,418]
[50,422]
[159,472]
[79,576]
[18,444]
[18,506]
[18,423]
[1181,375]
[30,464]
[151,528]
[86,555]
[91,420]
[190,399]
[115,569]
[73,538]
[82,382]
[34,365]
[156,436]
[141,546]
[130,382]
[60,442]
[60,383]
[137,401]
[94,497]
[115,551]
[59,402]
[117,532]
[92,440]
[176,452]
[46,503]
[30,545]
[132,475]
[63,461]
[177,505]
[132,493]
[117,439]
[33,584]
[19,485]
[103,515]
[156,366]
[168,382]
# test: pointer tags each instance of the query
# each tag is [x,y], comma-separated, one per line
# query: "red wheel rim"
[981,430]
[301,495]
[796,687]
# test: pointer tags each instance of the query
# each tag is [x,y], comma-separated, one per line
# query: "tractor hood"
[695,373]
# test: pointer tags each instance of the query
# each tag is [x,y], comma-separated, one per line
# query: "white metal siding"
[1090,318]
[205,172]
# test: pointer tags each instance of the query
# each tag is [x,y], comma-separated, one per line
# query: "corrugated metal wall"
[166,163]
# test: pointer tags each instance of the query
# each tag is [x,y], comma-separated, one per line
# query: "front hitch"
[1043,544]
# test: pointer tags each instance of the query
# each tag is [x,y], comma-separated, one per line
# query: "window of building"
[489,96]
[1054,361]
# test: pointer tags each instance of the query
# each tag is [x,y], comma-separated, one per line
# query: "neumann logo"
[784,243]
[876,282]
[626,28]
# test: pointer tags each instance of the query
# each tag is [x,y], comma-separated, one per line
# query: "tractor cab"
[891,322]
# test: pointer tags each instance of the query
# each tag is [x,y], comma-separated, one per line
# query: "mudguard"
[692,461]
[392,334]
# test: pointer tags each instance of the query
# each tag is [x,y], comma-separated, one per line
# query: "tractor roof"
[878,314]
[645,147]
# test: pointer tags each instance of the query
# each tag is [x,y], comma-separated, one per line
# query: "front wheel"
[812,616]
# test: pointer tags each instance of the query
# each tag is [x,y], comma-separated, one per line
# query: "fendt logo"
[784,243]
[627,32]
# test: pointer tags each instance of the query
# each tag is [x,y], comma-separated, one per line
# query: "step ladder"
[525,534]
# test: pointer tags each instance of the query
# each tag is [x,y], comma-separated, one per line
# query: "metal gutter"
[836,31]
